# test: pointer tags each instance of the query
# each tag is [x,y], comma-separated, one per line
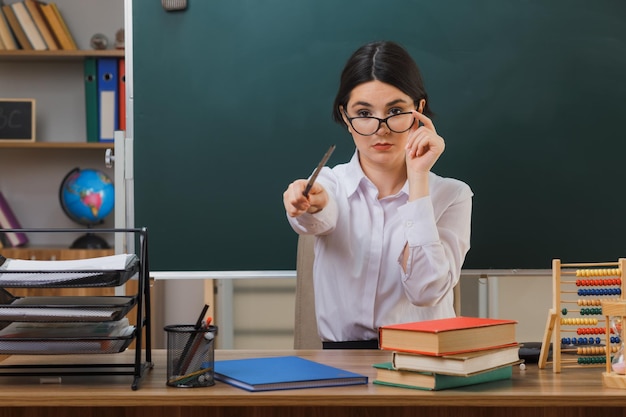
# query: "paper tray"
[62,346]
[64,308]
[67,279]
[104,271]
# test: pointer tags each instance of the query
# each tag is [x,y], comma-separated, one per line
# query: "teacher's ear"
[421,105]
[345,119]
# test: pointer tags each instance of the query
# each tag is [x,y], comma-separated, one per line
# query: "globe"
[87,196]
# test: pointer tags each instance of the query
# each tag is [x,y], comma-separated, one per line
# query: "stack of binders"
[104,98]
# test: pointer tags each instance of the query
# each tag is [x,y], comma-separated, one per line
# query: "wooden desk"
[533,392]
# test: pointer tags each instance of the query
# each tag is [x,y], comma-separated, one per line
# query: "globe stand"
[90,241]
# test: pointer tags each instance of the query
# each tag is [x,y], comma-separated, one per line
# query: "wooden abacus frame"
[561,286]
[616,308]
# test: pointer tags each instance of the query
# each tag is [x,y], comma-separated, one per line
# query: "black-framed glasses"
[368,125]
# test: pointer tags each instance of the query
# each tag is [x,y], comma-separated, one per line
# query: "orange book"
[448,336]
[5,34]
[61,36]
[19,33]
[34,8]
[55,8]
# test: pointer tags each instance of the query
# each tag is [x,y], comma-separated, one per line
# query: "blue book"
[282,372]
[108,121]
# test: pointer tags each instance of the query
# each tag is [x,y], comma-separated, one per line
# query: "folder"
[91,99]
[122,93]
[282,372]
[108,96]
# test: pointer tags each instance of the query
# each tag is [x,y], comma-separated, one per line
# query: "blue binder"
[107,98]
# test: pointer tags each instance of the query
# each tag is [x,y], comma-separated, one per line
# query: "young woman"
[391,236]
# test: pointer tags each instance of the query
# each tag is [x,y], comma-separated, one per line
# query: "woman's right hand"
[296,203]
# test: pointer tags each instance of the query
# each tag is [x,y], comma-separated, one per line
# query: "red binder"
[122,93]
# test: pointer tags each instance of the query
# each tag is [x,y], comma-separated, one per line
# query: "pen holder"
[190,355]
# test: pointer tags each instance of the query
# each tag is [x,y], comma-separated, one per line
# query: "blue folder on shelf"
[282,372]
[108,119]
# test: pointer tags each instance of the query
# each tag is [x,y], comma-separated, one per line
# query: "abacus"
[576,325]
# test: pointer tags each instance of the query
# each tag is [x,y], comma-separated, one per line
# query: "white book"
[29,27]
[462,364]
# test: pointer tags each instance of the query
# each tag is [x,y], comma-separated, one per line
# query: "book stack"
[34,25]
[447,353]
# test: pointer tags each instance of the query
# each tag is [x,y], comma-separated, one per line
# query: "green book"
[387,375]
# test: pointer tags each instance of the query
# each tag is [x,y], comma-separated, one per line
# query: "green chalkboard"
[232,101]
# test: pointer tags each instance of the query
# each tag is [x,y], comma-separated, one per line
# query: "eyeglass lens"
[397,123]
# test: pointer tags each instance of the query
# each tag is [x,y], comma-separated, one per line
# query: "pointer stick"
[327,155]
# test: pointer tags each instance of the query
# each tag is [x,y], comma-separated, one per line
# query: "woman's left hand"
[424,145]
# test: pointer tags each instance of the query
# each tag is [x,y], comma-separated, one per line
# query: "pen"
[201,317]
[327,155]
[184,359]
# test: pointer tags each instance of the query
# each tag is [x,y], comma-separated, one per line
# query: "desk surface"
[579,387]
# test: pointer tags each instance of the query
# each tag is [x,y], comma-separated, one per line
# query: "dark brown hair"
[384,61]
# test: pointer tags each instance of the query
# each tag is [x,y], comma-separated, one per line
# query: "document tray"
[65,346]
[67,279]
[64,308]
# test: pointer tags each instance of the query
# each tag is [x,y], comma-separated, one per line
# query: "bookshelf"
[55,145]
[31,173]
[22,55]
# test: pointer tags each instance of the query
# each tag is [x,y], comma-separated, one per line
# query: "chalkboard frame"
[9,105]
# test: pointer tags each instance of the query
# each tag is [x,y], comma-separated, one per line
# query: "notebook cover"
[282,372]
[453,323]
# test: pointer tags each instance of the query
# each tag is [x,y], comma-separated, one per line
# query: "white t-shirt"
[359,282]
